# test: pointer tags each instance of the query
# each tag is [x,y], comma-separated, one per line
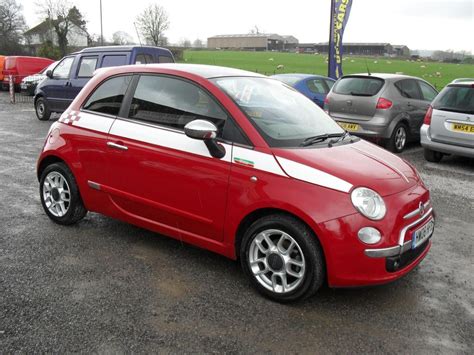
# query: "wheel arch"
[46,161]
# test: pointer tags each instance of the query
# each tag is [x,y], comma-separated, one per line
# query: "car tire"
[399,138]
[279,251]
[60,195]
[432,156]
[42,110]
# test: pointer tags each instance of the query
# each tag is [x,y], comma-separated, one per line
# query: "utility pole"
[101,30]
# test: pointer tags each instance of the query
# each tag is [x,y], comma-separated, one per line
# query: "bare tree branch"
[152,23]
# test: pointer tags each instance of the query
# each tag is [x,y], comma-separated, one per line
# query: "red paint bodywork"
[22,66]
[214,224]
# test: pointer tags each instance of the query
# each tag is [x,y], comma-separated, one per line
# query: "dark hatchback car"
[315,87]
[58,90]
[387,108]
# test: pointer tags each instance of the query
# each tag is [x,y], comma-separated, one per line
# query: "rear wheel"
[60,195]
[399,138]
[42,111]
[282,258]
[432,156]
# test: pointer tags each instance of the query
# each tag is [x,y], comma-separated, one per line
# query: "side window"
[408,88]
[316,86]
[173,103]
[329,83]
[427,91]
[86,67]
[113,60]
[165,59]
[63,69]
[108,96]
[143,59]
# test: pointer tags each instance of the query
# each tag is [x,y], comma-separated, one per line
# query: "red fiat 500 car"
[242,165]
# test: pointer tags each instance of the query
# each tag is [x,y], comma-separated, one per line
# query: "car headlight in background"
[368,203]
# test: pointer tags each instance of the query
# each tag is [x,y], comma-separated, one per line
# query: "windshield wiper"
[337,140]
[319,138]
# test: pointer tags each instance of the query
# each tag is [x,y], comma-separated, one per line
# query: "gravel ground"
[109,287]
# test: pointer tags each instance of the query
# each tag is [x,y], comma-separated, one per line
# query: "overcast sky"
[420,24]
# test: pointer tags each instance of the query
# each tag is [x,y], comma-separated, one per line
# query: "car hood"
[350,165]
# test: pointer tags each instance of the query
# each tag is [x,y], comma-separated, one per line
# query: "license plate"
[351,127]
[466,128]
[422,234]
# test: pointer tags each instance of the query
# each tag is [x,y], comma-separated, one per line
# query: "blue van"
[61,86]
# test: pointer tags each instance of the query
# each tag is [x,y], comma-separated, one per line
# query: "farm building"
[380,49]
[253,42]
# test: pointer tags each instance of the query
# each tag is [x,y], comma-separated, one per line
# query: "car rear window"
[456,99]
[358,86]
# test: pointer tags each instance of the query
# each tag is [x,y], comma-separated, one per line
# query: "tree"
[184,42]
[122,38]
[49,50]
[12,26]
[152,23]
[198,43]
[61,15]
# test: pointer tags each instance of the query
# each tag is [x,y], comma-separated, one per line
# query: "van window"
[87,67]
[63,69]
[108,96]
[143,59]
[113,60]
[165,59]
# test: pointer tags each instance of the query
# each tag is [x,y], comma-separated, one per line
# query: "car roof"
[115,49]
[386,76]
[204,71]
[301,76]
[462,83]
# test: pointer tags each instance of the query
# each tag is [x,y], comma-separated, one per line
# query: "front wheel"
[282,258]
[42,111]
[60,195]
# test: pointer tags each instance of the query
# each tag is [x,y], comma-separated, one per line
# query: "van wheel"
[282,258]
[432,156]
[41,108]
[399,138]
[60,195]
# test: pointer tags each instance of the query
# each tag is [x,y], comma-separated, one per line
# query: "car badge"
[421,208]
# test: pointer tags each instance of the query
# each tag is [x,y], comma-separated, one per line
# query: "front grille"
[395,263]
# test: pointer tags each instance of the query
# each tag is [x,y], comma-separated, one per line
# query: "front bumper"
[445,148]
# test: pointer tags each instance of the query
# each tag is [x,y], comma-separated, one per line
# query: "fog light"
[369,235]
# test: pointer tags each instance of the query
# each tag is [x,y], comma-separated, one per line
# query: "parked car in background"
[56,92]
[387,108]
[242,165]
[315,87]
[448,127]
[2,63]
[461,80]
[29,83]
[20,67]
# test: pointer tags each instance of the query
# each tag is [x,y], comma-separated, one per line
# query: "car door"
[160,175]
[412,103]
[55,90]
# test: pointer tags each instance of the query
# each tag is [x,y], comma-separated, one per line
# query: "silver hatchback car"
[387,108]
[448,127]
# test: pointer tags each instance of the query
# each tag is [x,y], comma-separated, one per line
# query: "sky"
[419,24]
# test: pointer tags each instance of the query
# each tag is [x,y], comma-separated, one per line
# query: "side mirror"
[207,132]
[49,74]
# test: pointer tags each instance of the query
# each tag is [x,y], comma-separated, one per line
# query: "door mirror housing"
[49,74]
[207,132]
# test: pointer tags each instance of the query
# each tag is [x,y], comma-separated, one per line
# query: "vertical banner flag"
[340,10]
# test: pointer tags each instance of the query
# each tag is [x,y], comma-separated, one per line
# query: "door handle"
[117,146]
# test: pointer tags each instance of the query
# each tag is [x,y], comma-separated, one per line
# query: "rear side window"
[108,96]
[427,91]
[456,99]
[114,60]
[87,67]
[143,59]
[358,86]
[63,69]
[173,103]
[329,83]
[409,88]
[165,59]
[316,86]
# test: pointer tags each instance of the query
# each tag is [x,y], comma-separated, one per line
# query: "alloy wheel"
[56,194]
[400,138]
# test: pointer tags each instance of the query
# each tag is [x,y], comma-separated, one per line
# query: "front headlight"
[369,203]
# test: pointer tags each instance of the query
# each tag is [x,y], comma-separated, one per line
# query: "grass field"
[438,74]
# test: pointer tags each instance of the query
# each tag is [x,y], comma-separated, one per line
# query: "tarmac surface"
[109,287]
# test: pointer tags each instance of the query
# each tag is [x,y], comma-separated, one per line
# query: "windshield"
[456,99]
[283,116]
